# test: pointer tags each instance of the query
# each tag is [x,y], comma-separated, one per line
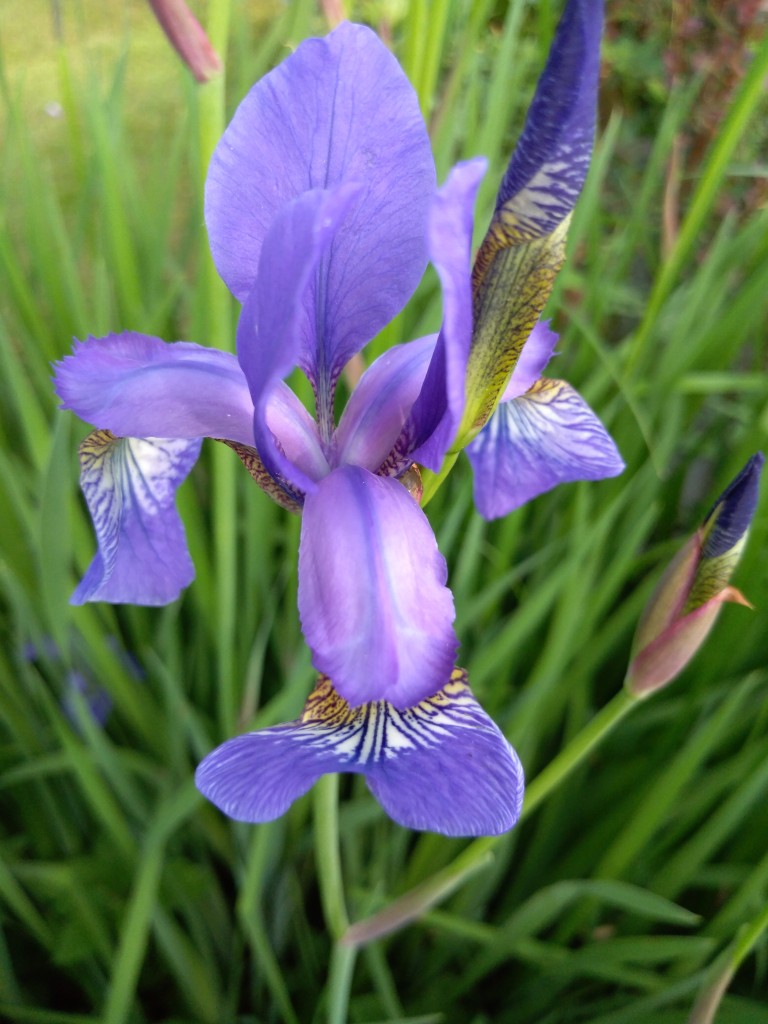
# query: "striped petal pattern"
[441,765]
[524,247]
[547,436]
[130,486]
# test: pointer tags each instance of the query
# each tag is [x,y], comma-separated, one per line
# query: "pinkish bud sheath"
[334,11]
[187,38]
[663,658]
[691,592]
[671,593]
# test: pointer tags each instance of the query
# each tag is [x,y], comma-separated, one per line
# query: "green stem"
[340,982]
[329,875]
[709,1000]
[327,854]
[430,892]
[433,481]
[577,750]
[216,317]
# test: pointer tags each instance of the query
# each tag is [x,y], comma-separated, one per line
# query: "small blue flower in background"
[322,210]
[98,701]
[79,686]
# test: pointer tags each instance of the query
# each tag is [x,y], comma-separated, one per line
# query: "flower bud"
[691,592]
[187,38]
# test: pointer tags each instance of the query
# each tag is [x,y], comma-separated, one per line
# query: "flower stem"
[215,314]
[340,982]
[431,891]
[327,856]
[580,746]
[725,967]
[329,876]
[433,481]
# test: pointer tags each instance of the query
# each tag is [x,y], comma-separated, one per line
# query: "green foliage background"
[642,879]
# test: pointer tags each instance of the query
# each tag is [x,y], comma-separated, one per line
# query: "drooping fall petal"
[441,765]
[135,385]
[546,437]
[130,486]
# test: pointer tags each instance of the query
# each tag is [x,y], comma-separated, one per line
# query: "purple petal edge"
[136,385]
[372,597]
[434,419]
[130,486]
[339,109]
[546,437]
[440,766]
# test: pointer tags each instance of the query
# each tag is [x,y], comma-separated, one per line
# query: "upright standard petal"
[546,437]
[372,597]
[379,406]
[338,110]
[438,410]
[431,426]
[135,385]
[276,330]
[524,247]
[130,486]
[440,766]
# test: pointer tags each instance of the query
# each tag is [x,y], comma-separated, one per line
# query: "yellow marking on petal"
[512,280]
[378,730]
[412,482]
[96,444]
[251,459]
[325,705]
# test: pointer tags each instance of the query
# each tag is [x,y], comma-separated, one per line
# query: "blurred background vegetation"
[642,881]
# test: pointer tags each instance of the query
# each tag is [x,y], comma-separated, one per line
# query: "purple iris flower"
[322,211]
[441,765]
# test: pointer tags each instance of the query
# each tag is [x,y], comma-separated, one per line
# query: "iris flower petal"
[524,247]
[547,170]
[460,777]
[274,325]
[135,385]
[441,765]
[431,426]
[130,486]
[288,420]
[372,597]
[338,110]
[536,353]
[727,523]
[546,437]
[379,406]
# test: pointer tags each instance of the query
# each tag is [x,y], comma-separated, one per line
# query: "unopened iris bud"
[695,586]
[187,38]
[524,247]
